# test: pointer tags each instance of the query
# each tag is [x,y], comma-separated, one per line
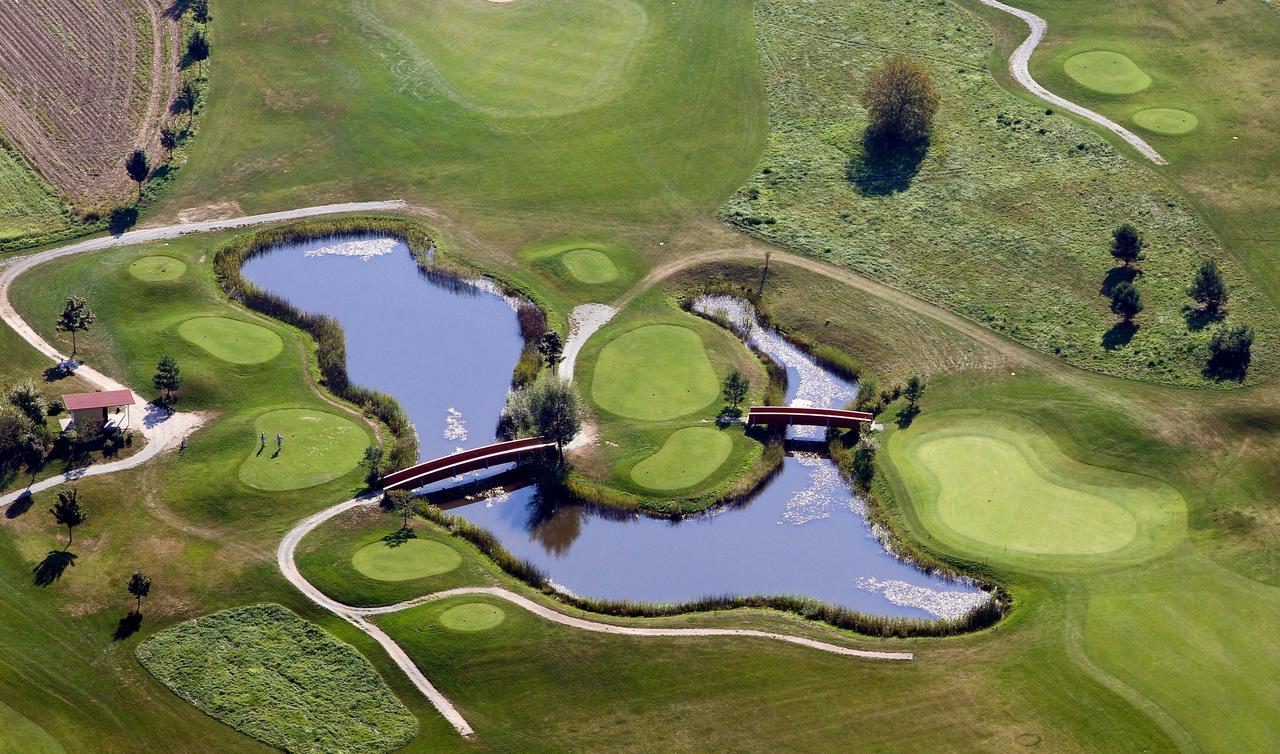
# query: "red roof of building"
[99,400]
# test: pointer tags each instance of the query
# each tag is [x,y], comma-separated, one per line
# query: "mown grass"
[274,676]
[1007,216]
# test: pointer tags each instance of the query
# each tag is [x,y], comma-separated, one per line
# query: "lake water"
[447,357]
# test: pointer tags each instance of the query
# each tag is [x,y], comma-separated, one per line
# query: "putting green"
[687,457]
[1166,120]
[232,340]
[511,59]
[590,265]
[654,372]
[413,559]
[157,268]
[472,616]
[1002,488]
[318,447]
[1107,72]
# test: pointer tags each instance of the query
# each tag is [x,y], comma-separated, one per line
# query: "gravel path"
[358,616]
[1019,61]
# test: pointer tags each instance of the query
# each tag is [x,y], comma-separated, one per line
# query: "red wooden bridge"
[468,460]
[813,417]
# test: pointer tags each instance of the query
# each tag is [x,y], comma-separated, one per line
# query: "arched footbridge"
[810,417]
[444,467]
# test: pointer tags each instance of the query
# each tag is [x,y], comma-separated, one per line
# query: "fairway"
[1166,120]
[654,372]
[318,447]
[1107,72]
[590,266]
[509,59]
[157,268]
[18,735]
[687,457]
[472,616]
[414,559]
[1001,487]
[232,340]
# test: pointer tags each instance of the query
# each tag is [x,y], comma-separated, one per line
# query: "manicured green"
[995,484]
[654,372]
[1107,72]
[982,224]
[414,559]
[157,268]
[1166,120]
[590,266]
[687,457]
[472,616]
[232,340]
[318,446]
[272,675]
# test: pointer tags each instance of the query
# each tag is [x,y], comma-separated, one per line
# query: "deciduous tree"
[735,387]
[372,465]
[198,50]
[138,168]
[915,389]
[168,138]
[1230,352]
[139,587]
[1126,244]
[28,399]
[1126,301]
[76,317]
[68,512]
[551,348]
[548,408]
[1209,288]
[900,101]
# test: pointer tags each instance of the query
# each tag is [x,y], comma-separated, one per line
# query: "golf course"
[620,226]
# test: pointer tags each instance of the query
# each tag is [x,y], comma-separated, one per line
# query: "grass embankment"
[1005,218]
[30,211]
[272,675]
[651,375]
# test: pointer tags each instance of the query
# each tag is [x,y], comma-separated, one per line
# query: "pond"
[447,354]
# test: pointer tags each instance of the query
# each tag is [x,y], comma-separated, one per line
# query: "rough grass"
[318,447]
[275,677]
[30,211]
[232,340]
[1008,215]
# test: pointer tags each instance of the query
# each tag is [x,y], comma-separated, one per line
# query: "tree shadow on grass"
[1119,335]
[51,568]
[1225,368]
[122,219]
[19,506]
[886,166]
[1116,276]
[128,625]
[1199,319]
[906,415]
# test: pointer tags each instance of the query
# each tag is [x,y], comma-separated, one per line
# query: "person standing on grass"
[263,439]
[279,441]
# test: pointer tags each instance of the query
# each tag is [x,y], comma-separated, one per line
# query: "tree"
[735,387]
[198,49]
[862,465]
[403,504]
[1230,352]
[1208,287]
[168,377]
[1126,301]
[28,399]
[551,348]
[200,11]
[32,451]
[139,587]
[1126,244]
[868,398]
[138,168]
[900,101]
[372,464]
[915,388]
[76,317]
[548,408]
[68,512]
[185,101]
[168,138]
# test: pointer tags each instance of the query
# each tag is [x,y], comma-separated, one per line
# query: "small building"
[106,410]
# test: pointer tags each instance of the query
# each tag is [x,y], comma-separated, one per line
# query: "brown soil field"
[84,82]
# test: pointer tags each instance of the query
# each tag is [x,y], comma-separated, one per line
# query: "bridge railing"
[468,460]
[813,417]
